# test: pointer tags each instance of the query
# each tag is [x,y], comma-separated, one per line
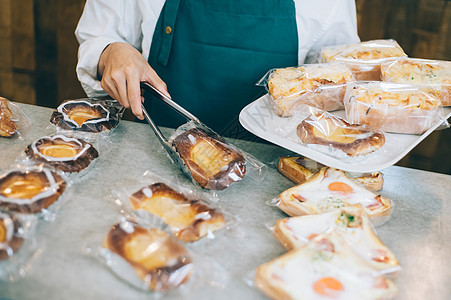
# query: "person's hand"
[122,68]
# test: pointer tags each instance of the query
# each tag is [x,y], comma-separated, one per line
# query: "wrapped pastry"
[319,85]
[10,237]
[392,107]
[365,58]
[433,74]
[328,130]
[212,162]
[90,115]
[157,258]
[8,126]
[62,153]
[30,190]
[189,220]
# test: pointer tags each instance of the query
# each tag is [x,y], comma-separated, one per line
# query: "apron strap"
[169,17]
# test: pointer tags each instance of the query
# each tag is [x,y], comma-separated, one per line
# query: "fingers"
[157,82]
[134,94]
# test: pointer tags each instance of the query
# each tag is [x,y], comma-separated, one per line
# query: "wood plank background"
[38,53]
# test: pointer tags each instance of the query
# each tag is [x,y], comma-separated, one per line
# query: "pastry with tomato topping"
[331,131]
[351,223]
[325,268]
[331,189]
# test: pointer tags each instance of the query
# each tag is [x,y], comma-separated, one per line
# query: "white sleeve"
[107,21]
[324,23]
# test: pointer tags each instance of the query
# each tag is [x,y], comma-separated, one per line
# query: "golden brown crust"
[7,126]
[211,162]
[373,181]
[290,168]
[280,234]
[362,141]
[264,281]
[20,183]
[189,220]
[69,165]
[164,268]
[16,241]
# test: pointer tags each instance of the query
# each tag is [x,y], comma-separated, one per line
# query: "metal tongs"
[164,142]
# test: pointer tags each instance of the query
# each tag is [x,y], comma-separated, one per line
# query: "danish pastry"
[10,239]
[7,126]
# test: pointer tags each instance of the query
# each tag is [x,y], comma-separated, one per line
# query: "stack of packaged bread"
[334,251]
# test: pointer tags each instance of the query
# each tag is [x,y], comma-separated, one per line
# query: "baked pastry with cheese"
[157,258]
[365,58]
[299,169]
[330,189]
[322,86]
[328,130]
[88,115]
[434,74]
[30,190]
[62,153]
[189,220]
[10,238]
[7,126]
[212,162]
[391,107]
[325,268]
[351,223]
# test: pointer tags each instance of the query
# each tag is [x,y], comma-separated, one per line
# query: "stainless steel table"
[419,232]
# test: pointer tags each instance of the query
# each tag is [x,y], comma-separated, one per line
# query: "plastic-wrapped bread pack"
[332,135]
[147,256]
[325,267]
[13,121]
[351,223]
[319,85]
[211,161]
[191,215]
[66,153]
[91,115]
[18,245]
[392,107]
[365,58]
[33,190]
[434,74]
[331,189]
[299,169]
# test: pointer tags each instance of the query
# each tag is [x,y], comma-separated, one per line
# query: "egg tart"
[87,115]
[157,258]
[7,126]
[30,191]
[189,220]
[10,240]
[62,153]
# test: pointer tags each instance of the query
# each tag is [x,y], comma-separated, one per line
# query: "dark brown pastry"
[30,191]
[7,126]
[335,132]
[212,163]
[164,268]
[10,241]
[189,220]
[62,153]
[87,115]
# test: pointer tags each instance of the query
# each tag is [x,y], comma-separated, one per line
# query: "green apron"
[210,53]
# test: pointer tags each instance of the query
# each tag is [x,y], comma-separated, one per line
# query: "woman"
[207,54]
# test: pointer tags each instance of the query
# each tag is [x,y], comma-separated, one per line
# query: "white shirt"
[319,23]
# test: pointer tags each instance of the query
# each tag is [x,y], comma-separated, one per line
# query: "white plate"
[259,118]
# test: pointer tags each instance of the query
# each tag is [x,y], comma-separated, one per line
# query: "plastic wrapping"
[191,215]
[326,267]
[333,133]
[299,169]
[392,107]
[13,122]
[365,58]
[351,223]
[434,74]
[87,114]
[320,85]
[328,190]
[18,246]
[211,161]
[32,190]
